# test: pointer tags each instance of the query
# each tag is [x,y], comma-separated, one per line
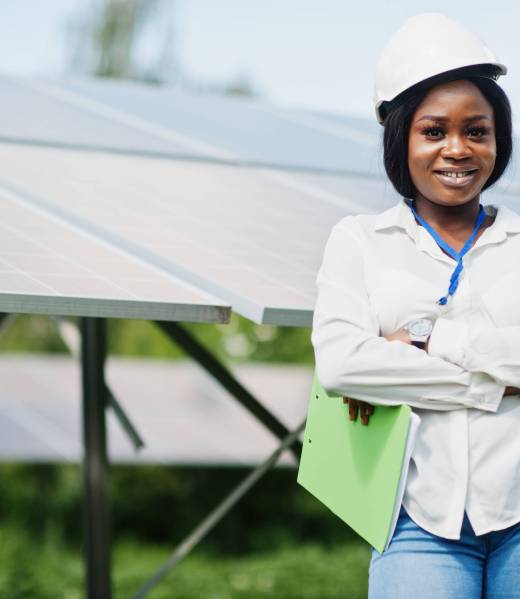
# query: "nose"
[456,147]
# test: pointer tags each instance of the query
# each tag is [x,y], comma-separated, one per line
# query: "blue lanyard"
[454,280]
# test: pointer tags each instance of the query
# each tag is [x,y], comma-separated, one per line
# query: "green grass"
[48,570]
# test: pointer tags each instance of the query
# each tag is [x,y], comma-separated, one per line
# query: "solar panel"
[40,118]
[136,117]
[252,238]
[130,117]
[199,424]
[50,266]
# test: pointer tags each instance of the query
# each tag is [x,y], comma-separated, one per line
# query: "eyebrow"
[476,117]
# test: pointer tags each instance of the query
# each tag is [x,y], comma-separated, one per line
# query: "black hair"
[399,118]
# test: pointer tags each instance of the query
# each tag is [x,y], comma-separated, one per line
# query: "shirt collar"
[400,215]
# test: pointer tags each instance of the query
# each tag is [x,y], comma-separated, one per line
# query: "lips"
[456,178]
[456,172]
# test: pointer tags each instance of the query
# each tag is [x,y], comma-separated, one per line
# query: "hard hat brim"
[487,70]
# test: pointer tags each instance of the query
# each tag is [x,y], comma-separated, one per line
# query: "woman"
[420,304]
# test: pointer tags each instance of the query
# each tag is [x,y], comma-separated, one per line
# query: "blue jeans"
[421,565]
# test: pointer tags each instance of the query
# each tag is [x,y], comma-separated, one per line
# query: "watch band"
[419,344]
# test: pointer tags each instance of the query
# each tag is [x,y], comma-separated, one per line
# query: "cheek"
[420,158]
[492,156]
[487,157]
[487,153]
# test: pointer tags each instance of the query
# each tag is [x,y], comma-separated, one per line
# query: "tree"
[107,39]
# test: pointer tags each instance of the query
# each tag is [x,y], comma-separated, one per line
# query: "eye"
[478,132]
[432,132]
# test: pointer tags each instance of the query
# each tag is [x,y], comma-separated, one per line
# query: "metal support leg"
[71,337]
[95,463]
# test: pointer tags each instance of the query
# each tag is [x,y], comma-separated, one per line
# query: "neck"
[448,218]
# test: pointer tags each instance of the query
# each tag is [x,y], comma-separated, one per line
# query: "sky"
[311,54]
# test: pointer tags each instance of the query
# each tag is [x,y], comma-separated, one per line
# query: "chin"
[455,196]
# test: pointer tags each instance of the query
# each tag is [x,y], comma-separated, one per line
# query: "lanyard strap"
[454,279]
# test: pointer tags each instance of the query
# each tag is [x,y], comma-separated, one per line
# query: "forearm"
[403,335]
[490,350]
[509,390]
[356,364]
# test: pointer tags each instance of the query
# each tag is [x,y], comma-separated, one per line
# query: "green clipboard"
[357,471]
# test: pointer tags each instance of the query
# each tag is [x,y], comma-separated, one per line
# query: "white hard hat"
[427,45]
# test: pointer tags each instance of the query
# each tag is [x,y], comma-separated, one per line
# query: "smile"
[452,179]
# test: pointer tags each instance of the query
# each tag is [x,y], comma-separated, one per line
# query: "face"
[452,132]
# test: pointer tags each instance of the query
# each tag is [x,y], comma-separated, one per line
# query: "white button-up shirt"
[379,272]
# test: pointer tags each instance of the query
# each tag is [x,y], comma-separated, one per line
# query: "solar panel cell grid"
[48,259]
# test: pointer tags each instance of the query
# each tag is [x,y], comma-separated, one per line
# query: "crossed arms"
[462,367]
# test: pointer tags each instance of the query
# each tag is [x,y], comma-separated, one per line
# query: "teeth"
[456,175]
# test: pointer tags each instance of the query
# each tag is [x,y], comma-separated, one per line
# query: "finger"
[364,415]
[368,408]
[365,412]
[356,410]
[353,409]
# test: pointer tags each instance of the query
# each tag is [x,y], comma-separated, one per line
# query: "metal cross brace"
[289,440]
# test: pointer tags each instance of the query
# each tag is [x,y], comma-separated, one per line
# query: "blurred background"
[297,53]
[278,541]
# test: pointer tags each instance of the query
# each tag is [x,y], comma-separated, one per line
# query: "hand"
[399,335]
[366,410]
[403,336]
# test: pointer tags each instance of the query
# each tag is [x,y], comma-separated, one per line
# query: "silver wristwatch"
[419,330]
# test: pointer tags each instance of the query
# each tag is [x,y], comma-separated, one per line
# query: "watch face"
[420,327]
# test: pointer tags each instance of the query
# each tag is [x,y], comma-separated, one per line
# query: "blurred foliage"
[239,340]
[138,40]
[105,40]
[158,504]
[295,547]
[24,332]
[45,569]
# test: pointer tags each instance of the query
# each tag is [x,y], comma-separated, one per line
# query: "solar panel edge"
[290,317]
[13,303]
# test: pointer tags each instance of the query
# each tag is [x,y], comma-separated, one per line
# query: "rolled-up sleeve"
[353,360]
[492,350]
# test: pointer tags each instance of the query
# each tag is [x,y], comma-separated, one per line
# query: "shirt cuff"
[448,340]
[484,392]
